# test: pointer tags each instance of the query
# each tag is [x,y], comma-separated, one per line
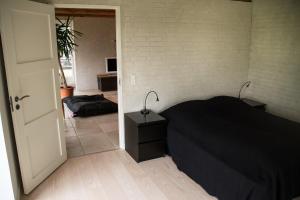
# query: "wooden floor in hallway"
[114,175]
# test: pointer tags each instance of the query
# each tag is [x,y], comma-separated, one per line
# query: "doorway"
[89,69]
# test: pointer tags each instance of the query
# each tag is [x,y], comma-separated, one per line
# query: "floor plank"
[114,175]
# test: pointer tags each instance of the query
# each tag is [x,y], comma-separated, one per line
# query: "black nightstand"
[255,104]
[145,135]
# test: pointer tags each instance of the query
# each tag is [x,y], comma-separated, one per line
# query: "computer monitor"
[111,64]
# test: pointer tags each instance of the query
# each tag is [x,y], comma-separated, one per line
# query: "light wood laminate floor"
[114,175]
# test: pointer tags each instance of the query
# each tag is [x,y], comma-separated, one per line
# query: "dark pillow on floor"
[85,105]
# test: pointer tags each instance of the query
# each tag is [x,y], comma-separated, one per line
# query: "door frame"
[119,60]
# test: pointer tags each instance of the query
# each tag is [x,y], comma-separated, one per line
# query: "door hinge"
[11,104]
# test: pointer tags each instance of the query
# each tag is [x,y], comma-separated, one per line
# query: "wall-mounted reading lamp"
[145,111]
[246,84]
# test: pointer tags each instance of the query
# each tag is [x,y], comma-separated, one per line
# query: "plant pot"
[66,92]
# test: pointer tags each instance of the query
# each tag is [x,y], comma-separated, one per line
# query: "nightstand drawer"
[152,133]
[151,150]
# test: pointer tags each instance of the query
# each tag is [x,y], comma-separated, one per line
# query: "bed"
[234,151]
[85,105]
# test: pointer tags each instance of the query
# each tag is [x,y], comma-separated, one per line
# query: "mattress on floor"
[90,105]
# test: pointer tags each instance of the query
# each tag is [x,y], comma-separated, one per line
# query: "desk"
[107,82]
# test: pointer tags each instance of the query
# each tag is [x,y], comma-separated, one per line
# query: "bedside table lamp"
[145,111]
[246,84]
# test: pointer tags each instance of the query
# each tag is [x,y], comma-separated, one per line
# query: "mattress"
[85,105]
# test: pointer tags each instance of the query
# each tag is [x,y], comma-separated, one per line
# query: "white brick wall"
[275,56]
[96,43]
[183,49]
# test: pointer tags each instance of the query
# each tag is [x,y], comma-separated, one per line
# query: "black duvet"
[84,105]
[234,151]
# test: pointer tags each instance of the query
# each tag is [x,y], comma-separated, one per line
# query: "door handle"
[21,98]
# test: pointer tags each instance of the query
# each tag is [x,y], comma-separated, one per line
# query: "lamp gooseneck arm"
[245,84]
[145,102]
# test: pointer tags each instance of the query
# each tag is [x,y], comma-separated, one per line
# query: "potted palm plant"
[65,35]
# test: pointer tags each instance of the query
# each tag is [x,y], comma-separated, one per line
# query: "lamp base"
[145,112]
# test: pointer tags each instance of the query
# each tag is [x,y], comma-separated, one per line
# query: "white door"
[29,48]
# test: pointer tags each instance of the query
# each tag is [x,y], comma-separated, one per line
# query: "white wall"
[275,56]
[183,49]
[97,42]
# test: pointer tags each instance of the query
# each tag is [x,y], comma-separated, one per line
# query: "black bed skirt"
[214,176]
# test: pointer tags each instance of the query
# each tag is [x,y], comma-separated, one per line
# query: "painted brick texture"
[94,46]
[183,49]
[275,56]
